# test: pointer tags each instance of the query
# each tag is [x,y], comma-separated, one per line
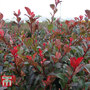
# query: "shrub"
[56,57]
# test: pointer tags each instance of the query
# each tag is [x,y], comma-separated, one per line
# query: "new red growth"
[75,62]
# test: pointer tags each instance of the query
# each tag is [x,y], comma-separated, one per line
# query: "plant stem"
[31,28]
[86,52]
[62,57]
[44,71]
[37,70]
[69,80]
[9,46]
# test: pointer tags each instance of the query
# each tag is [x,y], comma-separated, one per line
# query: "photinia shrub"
[56,57]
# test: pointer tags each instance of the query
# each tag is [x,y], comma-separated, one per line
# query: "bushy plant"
[54,58]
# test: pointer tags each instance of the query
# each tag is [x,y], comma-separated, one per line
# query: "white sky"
[69,8]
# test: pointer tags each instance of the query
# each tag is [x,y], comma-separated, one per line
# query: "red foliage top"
[1,16]
[29,12]
[1,33]
[75,62]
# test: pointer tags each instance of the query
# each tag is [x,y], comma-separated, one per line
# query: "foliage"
[56,57]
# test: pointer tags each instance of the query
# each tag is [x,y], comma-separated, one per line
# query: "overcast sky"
[67,9]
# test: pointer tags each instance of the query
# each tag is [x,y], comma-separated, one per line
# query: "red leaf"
[28,10]
[54,59]
[67,48]
[81,17]
[88,13]
[71,39]
[79,60]
[58,55]
[40,53]
[1,16]
[14,78]
[67,22]
[44,44]
[18,61]
[1,32]
[22,73]
[76,18]
[32,14]
[14,51]
[29,57]
[75,62]
[57,2]
[44,59]
[15,14]
[19,12]
[58,43]
[49,79]
[34,56]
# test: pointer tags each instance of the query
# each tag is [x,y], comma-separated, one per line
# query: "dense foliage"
[51,57]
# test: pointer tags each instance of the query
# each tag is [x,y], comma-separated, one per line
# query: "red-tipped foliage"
[75,62]
[1,33]
[28,10]
[29,57]
[17,14]
[14,51]
[88,13]
[40,53]
[81,17]
[1,16]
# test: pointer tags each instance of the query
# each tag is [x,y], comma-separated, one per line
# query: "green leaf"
[74,36]
[20,51]
[61,76]
[26,63]
[58,65]
[74,48]
[38,16]
[39,68]
[50,44]
[38,47]
[0,51]
[45,50]
[50,27]
[75,78]
[87,67]
[6,63]
[54,27]
[87,84]
[80,50]
[37,79]
[29,42]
